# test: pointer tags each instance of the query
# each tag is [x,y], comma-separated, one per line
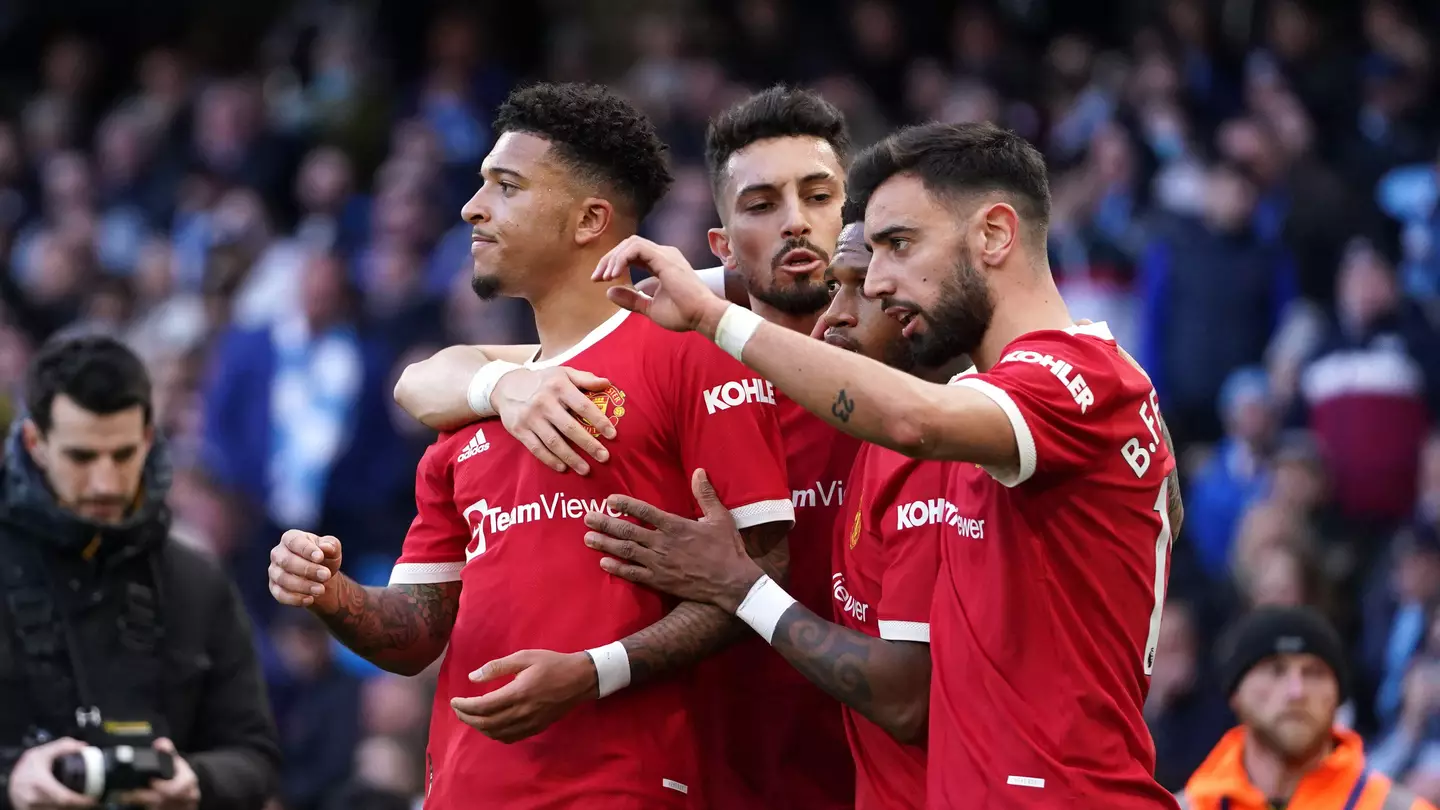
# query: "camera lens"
[69,771]
[83,773]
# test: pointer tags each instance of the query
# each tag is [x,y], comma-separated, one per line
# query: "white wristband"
[612,667]
[735,329]
[763,606]
[714,278]
[483,384]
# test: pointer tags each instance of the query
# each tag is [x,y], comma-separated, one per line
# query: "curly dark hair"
[597,133]
[777,112]
[98,372]
[851,212]
[958,159]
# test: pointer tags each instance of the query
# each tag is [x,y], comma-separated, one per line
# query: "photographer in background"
[111,633]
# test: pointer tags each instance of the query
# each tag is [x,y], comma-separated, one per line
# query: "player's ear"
[720,246]
[999,228]
[595,219]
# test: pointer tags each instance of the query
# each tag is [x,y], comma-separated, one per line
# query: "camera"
[97,772]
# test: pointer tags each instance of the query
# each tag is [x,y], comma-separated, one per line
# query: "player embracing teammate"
[1047,507]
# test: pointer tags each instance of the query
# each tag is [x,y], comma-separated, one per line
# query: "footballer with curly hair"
[563,686]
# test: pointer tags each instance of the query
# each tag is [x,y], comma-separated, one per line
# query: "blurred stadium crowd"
[267,209]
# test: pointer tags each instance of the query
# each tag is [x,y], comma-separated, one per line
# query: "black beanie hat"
[1271,631]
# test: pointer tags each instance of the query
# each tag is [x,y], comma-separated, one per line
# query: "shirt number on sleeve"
[1162,554]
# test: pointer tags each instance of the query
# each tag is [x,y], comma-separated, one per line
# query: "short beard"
[1292,755]
[900,355]
[960,318]
[487,288]
[805,296]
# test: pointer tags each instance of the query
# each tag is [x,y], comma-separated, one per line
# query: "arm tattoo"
[843,407]
[834,658]
[692,631]
[400,628]
[886,681]
[688,634]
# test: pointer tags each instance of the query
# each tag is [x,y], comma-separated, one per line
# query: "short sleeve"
[911,526]
[1054,388]
[727,422]
[714,278]
[434,549]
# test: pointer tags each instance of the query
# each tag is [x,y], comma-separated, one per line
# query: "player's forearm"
[436,390]
[694,631]
[686,635]
[399,628]
[886,681]
[874,402]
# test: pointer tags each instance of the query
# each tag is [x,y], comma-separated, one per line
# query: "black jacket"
[209,687]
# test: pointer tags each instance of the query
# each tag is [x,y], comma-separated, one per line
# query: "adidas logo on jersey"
[476,446]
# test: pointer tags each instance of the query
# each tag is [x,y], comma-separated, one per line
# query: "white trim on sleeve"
[1024,439]
[1099,330]
[905,631]
[425,573]
[714,278]
[760,512]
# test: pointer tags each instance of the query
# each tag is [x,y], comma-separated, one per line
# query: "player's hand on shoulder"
[546,686]
[681,301]
[550,412]
[303,568]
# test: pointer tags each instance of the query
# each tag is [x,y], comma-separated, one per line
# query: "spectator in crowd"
[1285,673]
[1237,472]
[1397,618]
[1411,196]
[1298,478]
[314,709]
[283,408]
[1428,503]
[1372,388]
[1188,359]
[1409,748]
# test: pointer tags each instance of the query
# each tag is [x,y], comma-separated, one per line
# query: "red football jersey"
[780,733]
[1047,610]
[887,553]
[511,530]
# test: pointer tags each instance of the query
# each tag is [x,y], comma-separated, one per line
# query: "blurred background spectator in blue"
[1237,472]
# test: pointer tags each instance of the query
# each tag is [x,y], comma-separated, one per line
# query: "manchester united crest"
[611,403]
[855,526]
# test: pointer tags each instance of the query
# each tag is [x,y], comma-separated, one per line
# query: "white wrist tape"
[763,606]
[735,329]
[483,384]
[714,278]
[612,667]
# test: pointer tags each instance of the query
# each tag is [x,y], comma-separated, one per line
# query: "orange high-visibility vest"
[1340,782]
